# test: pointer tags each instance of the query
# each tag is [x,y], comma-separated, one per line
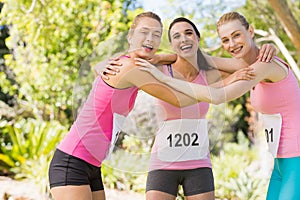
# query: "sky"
[164,10]
[169,11]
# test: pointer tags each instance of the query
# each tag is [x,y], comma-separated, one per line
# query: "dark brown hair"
[201,61]
[182,19]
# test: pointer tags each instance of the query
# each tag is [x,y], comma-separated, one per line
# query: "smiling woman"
[238,41]
[180,154]
[182,30]
[74,171]
[274,92]
[144,37]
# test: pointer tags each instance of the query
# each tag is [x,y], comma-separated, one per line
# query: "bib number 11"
[179,140]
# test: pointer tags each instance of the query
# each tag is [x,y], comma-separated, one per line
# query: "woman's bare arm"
[218,78]
[229,65]
[266,54]
[210,94]
[131,75]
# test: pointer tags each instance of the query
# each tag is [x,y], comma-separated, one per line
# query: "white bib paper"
[183,140]
[118,121]
[272,126]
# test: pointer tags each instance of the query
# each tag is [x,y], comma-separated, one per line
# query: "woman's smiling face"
[145,38]
[235,38]
[184,40]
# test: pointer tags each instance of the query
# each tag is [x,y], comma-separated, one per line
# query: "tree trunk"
[288,21]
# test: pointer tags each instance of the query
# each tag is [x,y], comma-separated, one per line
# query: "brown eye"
[157,34]
[225,41]
[175,36]
[237,35]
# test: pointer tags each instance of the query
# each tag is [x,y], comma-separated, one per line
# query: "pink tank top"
[166,111]
[281,97]
[90,135]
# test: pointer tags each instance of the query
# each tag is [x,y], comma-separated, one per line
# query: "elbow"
[212,100]
[184,103]
[174,102]
[216,102]
[179,104]
[218,99]
[216,96]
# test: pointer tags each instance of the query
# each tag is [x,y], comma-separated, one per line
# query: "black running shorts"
[193,181]
[69,170]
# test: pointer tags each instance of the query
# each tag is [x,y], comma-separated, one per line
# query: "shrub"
[30,148]
[235,172]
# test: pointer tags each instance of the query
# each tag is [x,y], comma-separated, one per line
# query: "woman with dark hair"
[184,161]
[75,170]
[180,154]
[274,92]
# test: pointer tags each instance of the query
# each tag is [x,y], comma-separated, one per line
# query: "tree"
[5,97]
[50,41]
[288,21]
[269,28]
[53,44]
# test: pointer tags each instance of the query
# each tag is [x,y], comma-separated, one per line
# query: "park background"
[47,52]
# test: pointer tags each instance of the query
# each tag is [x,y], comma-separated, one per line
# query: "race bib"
[183,140]
[272,126]
[118,121]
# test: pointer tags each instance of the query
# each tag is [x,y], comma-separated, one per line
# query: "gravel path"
[25,190]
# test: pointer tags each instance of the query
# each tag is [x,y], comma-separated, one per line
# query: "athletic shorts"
[193,181]
[69,170]
[285,179]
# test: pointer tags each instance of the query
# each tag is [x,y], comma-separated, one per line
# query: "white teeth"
[148,46]
[236,50]
[186,47]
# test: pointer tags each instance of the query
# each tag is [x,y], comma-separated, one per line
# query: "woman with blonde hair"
[274,92]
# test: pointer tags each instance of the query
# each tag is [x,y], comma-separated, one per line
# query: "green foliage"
[30,147]
[126,171]
[50,40]
[29,139]
[220,121]
[54,45]
[236,172]
[180,194]
[6,85]
[265,18]
[245,187]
